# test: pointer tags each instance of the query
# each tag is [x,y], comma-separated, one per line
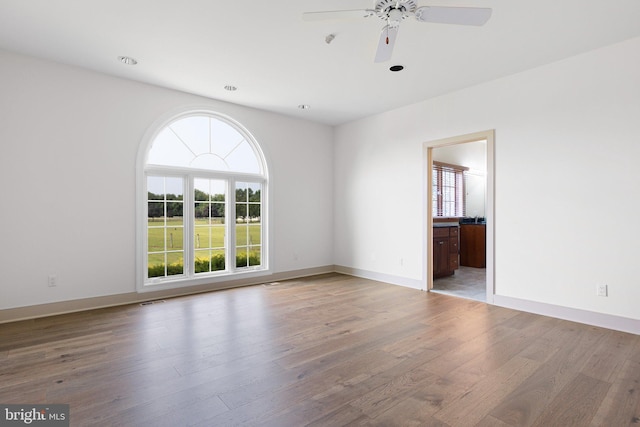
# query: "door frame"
[427,251]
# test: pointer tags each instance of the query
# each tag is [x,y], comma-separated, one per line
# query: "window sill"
[182,282]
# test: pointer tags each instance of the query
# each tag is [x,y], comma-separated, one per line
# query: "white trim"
[380,277]
[181,281]
[84,304]
[427,270]
[602,320]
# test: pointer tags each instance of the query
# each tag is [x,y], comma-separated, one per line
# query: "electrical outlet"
[601,290]
[52,280]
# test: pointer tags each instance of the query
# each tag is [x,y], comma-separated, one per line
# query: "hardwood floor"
[329,350]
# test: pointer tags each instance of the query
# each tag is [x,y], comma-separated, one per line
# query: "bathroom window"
[447,183]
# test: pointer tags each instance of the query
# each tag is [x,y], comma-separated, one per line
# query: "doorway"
[465,280]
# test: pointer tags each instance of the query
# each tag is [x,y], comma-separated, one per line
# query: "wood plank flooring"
[328,350]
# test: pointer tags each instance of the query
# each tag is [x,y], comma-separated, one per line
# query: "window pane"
[202,236]
[155,239]
[210,162]
[165,226]
[174,264]
[241,192]
[202,261]
[225,138]
[174,188]
[202,192]
[168,150]
[155,213]
[155,187]
[217,212]
[156,265]
[202,213]
[255,234]
[174,210]
[241,212]
[217,236]
[193,132]
[203,142]
[174,238]
[242,255]
[255,256]
[209,225]
[248,224]
[217,260]
[243,159]
[242,234]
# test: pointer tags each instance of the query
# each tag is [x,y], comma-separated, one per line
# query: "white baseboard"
[608,321]
[380,277]
[64,307]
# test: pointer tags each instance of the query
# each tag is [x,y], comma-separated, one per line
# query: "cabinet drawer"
[453,245]
[453,262]
[440,232]
[453,231]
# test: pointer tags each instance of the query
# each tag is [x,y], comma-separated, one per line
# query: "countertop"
[445,224]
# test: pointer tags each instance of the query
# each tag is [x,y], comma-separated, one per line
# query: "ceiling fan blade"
[337,14]
[453,15]
[385,45]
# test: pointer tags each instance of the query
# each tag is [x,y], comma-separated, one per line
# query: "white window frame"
[189,278]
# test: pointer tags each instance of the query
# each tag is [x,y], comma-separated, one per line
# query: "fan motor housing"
[384,7]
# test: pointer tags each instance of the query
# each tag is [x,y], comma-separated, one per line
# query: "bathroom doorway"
[468,161]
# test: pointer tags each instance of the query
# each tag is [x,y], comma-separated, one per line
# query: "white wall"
[566,152]
[68,146]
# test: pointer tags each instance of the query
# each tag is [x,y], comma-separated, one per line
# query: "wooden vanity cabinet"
[445,250]
[473,243]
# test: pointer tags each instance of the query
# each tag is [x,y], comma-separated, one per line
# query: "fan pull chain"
[387,39]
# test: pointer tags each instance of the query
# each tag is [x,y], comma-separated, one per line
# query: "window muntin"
[221,175]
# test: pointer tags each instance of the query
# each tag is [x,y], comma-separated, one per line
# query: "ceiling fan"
[395,11]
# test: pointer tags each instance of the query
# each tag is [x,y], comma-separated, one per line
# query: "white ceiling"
[278,61]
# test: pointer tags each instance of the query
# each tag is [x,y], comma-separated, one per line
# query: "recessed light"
[127,60]
[396,68]
[230,88]
[304,106]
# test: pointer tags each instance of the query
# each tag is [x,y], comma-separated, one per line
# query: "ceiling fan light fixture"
[230,88]
[396,68]
[393,12]
[304,106]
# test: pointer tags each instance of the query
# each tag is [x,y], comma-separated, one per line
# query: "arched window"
[203,186]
